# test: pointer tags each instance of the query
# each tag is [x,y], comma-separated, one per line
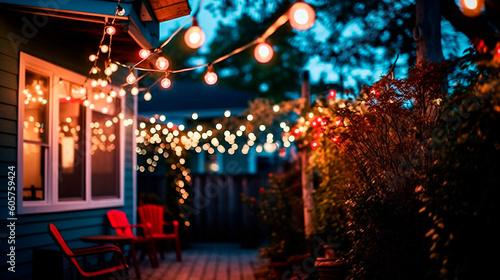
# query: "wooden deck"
[207,261]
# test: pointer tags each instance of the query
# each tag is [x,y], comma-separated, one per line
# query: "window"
[71,151]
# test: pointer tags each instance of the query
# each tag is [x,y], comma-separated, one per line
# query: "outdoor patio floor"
[207,261]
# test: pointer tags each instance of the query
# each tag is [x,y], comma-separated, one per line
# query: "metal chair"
[73,255]
[153,214]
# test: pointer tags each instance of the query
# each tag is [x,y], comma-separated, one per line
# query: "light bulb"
[104,48]
[122,92]
[134,91]
[147,96]
[93,83]
[472,8]
[301,16]
[120,10]
[86,103]
[94,70]
[108,71]
[162,63]
[131,78]
[165,83]
[211,78]
[263,53]
[92,57]
[194,37]
[113,66]
[112,93]
[144,53]
[110,30]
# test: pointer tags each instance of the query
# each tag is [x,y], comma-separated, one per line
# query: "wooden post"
[306,176]
[427,31]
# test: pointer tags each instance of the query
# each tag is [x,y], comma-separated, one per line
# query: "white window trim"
[51,202]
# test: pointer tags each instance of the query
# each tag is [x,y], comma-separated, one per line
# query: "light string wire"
[269,31]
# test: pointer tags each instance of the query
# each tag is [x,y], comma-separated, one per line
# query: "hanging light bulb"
[162,63]
[92,57]
[134,90]
[301,16]
[120,10]
[263,52]
[147,96]
[165,83]
[131,78]
[144,53]
[210,76]
[108,71]
[110,29]
[104,48]
[94,70]
[332,94]
[194,37]
[113,67]
[472,8]
[122,92]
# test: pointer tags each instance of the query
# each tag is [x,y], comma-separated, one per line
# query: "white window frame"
[51,202]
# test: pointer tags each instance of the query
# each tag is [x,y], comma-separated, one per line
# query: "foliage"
[156,156]
[461,194]
[280,209]
[384,135]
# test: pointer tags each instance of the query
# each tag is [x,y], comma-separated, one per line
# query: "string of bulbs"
[300,15]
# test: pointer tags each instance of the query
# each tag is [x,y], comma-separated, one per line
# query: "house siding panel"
[31,230]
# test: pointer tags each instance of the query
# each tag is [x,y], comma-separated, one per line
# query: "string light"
[210,76]
[110,29]
[472,8]
[194,37]
[165,83]
[162,63]
[134,90]
[263,52]
[104,48]
[131,79]
[301,16]
[144,53]
[147,96]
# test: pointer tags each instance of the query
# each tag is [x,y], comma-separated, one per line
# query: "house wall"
[31,230]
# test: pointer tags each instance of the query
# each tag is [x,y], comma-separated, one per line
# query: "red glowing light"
[314,144]
[332,94]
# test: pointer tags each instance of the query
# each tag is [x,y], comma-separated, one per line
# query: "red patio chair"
[153,214]
[73,255]
[119,222]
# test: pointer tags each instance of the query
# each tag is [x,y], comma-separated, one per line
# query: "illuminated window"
[72,153]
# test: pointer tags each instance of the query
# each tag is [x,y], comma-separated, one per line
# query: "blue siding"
[31,230]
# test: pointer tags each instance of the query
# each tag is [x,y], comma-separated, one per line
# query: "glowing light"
[92,57]
[250,118]
[210,77]
[472,8]
[314,144]
[263,53]
[134,91]
[122,92]
[162,63]
[276,108]
[301,16]
[147,96]
[131,79]
[165,83]
[104,48]
[194,37]
[332,94]
[144,53]
[113,67]
[227,113]
[110,30]
[194,116]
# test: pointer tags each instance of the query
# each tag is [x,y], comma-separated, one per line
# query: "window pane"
[33,172]
[71,150]
[36,92]
[105,154]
